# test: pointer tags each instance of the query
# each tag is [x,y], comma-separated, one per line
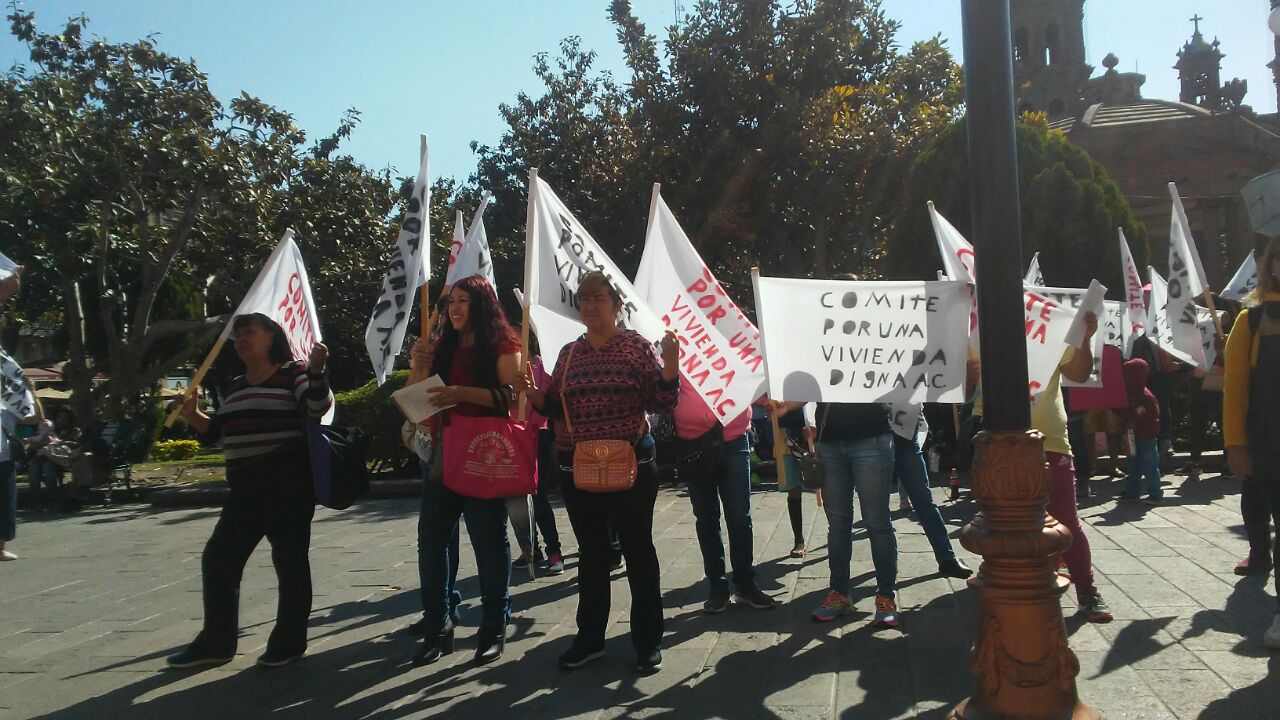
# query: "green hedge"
[163,450]
[370,408]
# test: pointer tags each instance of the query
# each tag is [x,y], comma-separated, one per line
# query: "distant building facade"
[1208,141]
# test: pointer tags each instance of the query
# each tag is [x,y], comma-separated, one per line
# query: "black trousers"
[1260,505]
[630,514]
[282,514]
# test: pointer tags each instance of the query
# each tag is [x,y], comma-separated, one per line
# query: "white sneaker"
[1271,638]
[6,555]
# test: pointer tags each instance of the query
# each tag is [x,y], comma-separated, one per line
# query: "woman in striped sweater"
[262,427]
[610,379]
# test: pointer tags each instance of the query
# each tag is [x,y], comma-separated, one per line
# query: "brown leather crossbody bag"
[599,466]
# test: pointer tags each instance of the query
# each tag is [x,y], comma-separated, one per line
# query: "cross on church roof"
[1196,19]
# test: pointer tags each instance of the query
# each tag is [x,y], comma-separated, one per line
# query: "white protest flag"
[1208,332]
[957,252]
[7,268]
[1049,326]
[410,268]
[1079,301]
[1135,307]
[559,251]
[858,342]
[1034,276]
[469,253]
[15,394]
[1160,324]
[282,292]
[907,421]
[958,263]
[720,351]
[1183,287]
[1112,322]
[1244,281]
[1199,282]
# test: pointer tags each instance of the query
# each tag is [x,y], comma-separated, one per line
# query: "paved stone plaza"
[100,598]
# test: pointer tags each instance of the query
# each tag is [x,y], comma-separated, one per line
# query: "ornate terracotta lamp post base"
[1022,665]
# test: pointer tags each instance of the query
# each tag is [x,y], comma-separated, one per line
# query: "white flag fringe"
[410,269]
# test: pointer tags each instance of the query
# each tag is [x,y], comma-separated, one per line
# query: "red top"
[462,372]
[1144,409]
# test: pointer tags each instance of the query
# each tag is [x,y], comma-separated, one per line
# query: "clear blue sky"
[444,67]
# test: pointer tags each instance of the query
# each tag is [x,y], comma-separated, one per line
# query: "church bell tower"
[1048,55]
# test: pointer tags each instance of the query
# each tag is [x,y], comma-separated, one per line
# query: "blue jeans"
[487,525]
[864,466]
[730,485]
[8,501]
[428,497]
[1145,462]
[913,475]
[44,477]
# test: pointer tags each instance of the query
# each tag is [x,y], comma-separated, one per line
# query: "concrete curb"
[212,494]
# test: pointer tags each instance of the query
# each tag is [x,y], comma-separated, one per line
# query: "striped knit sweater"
[258,422]
[609,390]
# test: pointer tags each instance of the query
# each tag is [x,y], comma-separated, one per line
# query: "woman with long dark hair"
[261,425]
[604,383]
[477,356]
[1251,417]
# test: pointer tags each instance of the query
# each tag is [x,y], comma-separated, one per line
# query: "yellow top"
[1239,358]
[1049,414]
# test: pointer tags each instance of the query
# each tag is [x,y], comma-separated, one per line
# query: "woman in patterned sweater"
[610,379]
[262,427]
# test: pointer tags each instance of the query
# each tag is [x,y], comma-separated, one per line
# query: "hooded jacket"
[1144,410]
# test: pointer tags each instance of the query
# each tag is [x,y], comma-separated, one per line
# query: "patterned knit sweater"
[609,390]
[258,422]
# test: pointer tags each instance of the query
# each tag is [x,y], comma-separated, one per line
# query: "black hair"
[596,277]
[493,334]
[278,351]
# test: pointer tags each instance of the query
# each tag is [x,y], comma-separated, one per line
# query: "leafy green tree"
[782,136]
[144,207]
[1070,209]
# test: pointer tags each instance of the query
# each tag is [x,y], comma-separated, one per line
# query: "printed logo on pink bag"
[491,455]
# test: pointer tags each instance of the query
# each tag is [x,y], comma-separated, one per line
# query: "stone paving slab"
[100,598]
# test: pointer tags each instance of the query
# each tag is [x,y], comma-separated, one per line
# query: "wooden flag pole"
[194,387]
[524,344]
[779,450]
[529,291]
[1213,311]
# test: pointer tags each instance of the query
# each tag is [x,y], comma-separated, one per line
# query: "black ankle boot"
[489,646]
[435,645]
